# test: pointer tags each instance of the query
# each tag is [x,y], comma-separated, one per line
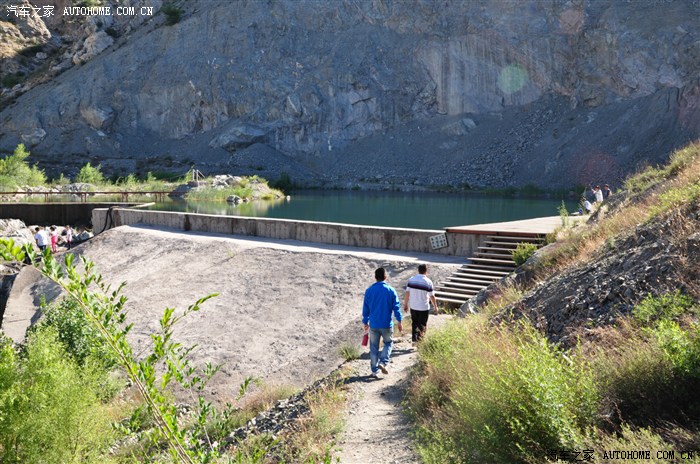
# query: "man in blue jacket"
[380,301]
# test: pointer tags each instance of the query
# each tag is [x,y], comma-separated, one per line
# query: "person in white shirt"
[598,194]
[420,292]
[41,238]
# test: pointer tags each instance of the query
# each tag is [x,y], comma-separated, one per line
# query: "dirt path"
[376,429]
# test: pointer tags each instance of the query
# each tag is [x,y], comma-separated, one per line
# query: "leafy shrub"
[61,180]
[631,440]
[499,395]
[90,175]
[172,13]
[637,382]
[682,347]
[663,307]
[15,172]
[523,252]
[653,373]
[10,80]
[80,338]
[284,183]
[49,407]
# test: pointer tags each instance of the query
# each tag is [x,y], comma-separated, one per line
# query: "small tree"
[15,171]
[90,175]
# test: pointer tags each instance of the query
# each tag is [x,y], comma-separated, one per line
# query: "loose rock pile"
[654,259]
[281,416]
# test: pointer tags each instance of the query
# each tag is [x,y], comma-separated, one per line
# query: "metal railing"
[124,195]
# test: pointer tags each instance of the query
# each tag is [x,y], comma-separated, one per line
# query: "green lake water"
[419,210]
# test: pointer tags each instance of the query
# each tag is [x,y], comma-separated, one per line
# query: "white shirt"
[41,238]
[419,289]
[599,196]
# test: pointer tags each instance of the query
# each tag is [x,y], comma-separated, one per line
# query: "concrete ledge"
[389,238]
[53,213]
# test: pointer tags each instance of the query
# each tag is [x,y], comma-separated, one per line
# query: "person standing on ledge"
[419,293]
[380,302]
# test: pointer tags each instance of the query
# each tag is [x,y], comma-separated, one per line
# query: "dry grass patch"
[504,295]
[313,436]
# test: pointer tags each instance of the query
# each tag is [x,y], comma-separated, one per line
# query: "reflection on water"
[419,210]
[258,208]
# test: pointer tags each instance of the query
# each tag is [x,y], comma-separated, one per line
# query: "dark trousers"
[419,324]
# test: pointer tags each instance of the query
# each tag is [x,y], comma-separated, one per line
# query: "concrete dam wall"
[389,238]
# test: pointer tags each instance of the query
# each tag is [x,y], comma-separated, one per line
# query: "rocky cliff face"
[490,93]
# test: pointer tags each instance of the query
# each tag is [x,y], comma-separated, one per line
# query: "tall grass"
[498,394]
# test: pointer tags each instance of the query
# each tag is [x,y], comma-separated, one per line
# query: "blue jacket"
[380,300]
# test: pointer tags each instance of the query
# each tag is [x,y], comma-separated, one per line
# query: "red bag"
[365,339]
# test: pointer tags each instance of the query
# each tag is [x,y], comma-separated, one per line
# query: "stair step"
[502,244]
[494,255]
[496,249]
[476,280]
[482,273]
[450,300]
[460,285]
[455,291]
[515,239]
[495,262]
[457,296]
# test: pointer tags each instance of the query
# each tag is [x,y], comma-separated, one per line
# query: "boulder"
[234,199]
[78,187]
[97,118]
[93,46]
[33,137]
[17,230]
[239,136]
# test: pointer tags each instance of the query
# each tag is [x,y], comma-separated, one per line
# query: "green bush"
[639,384]
[523,252]
[172,13]
[90,175]
[681,347]
[10,80]
[80,338]
[15,172]
[653,374]
[499,395]
[631,440]
[49,407]
[663,307]
[563,214]
[284,183]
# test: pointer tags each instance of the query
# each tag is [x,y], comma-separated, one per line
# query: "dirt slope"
[283,310]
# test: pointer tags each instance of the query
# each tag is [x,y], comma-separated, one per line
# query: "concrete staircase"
[492,261]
